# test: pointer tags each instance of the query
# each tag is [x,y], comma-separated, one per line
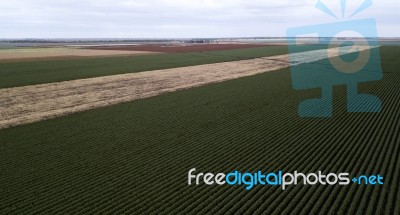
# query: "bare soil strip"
[28,104]
[12,55]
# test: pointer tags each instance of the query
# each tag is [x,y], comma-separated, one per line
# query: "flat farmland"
[22,105]
[179,48]
[15,74]
[133,158]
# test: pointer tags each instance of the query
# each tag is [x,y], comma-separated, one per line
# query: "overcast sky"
[179,18]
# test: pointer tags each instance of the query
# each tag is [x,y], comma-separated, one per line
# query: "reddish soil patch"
[179,48]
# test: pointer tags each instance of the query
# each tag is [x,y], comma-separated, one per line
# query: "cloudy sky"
[180,18]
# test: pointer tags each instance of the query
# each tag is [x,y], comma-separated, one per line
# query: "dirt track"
[23,105]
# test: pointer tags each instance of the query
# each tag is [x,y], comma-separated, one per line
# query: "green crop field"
[134,157]
[39,72]
[17,74]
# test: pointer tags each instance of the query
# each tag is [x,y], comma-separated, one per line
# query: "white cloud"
[176,18]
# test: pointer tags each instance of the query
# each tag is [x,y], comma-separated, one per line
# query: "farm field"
[133,158]
[16,74]
[180,48]
[22,105]
[31,54]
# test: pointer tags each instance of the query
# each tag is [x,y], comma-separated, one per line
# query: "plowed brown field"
[26,54]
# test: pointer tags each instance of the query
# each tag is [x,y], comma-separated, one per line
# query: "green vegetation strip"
[133,158]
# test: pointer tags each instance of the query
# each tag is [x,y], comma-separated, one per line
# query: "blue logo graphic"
[348,54]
